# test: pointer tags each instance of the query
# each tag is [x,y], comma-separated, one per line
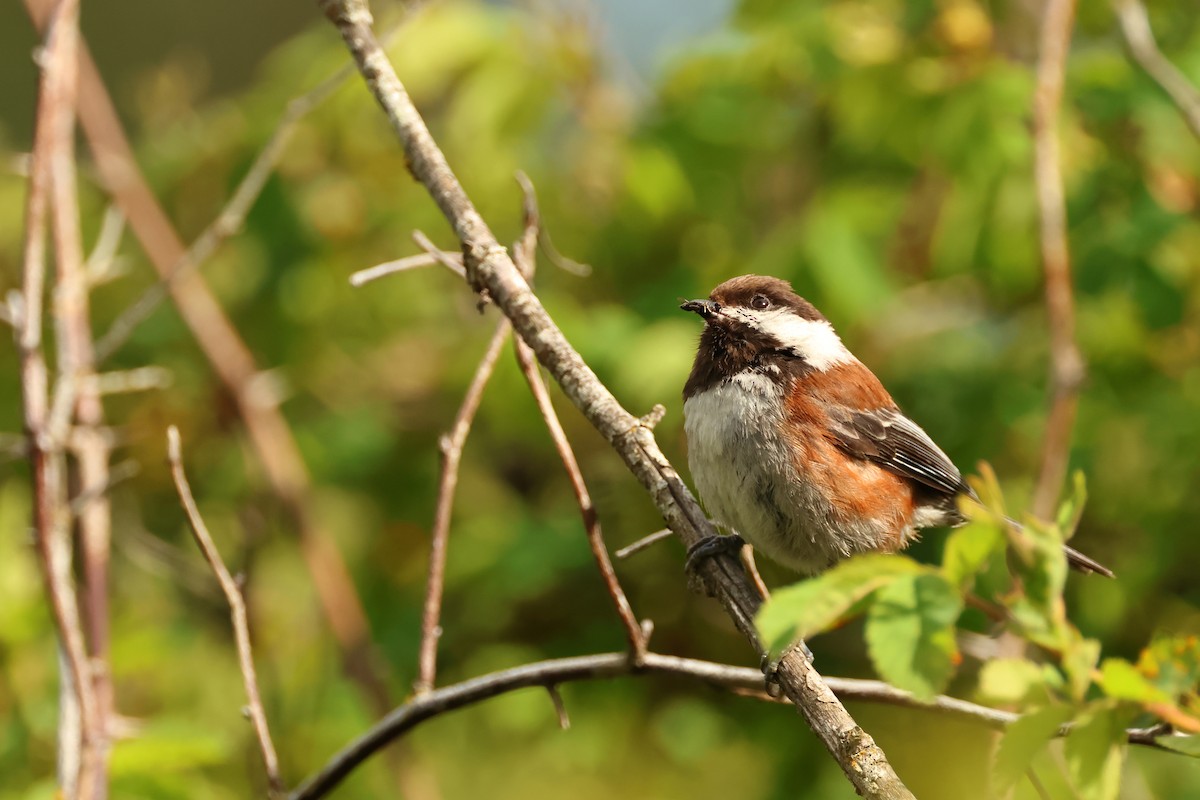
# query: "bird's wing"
[888,438]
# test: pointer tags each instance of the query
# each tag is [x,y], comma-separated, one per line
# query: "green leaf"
[968,550]
[1123,681]
[1012,681]
[1071,510]
[1041,565]
[1023,740]
[1094,751]
[1187,745]
[1079,659]
[910,633]
[1172,664]
[814,605]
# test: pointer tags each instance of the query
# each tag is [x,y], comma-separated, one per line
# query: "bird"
[796,446]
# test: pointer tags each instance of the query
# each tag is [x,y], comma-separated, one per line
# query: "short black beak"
[704,308]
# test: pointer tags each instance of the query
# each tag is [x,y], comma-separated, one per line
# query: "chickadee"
[794,444]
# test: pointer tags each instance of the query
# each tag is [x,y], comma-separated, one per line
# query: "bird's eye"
[760,301]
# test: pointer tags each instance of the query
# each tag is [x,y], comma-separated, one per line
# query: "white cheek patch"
[813,340]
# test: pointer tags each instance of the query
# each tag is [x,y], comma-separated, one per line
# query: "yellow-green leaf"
[910,632]
[814,605]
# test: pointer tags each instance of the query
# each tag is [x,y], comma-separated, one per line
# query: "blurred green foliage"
[874,152]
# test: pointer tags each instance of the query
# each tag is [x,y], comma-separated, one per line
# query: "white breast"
[746,476]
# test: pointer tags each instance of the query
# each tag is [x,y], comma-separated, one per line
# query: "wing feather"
[892,440]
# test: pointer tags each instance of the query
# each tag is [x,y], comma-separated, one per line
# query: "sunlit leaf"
[1188,745]
[1094,752]
[968,550]
[1011,681]
[811,606]
[1123,681]
[1023,740]
[910,633]
[1079,659]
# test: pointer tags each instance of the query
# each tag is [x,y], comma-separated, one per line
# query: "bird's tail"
[1085,564]
[1077,560]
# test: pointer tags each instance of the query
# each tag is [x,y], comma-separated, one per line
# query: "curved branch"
[1135,26]
[557,671]
[491,269]
[237,611]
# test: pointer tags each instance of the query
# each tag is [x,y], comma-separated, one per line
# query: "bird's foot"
[710,547]
[770,666]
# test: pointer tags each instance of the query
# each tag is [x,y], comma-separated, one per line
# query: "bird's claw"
[770,666]
[710,547]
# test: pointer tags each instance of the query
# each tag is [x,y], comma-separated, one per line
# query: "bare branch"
[230,359]
[76,394]
[102,263]
[523,254]
[1135,26]
[452,447]
[1066,363]
[451,261]
[364,276]
[644,542]
[141,379]
[551,673]
[51,187]
[237,611]
[490,269]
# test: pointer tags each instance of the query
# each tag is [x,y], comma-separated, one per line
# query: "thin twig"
[742,680]
[452,447]
[523,257]
[491,269]
[1135,26]
[1037,784]
[560,708]
[141,379]
[231,360]
[237,611]
[102,263]
[1066,363]
[451,261]
[364,276]
[644,542]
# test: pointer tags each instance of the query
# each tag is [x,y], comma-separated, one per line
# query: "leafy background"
[875,153]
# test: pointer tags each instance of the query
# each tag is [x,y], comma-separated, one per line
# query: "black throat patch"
[724,353]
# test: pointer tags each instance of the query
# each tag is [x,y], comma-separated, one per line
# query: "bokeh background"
[876,153]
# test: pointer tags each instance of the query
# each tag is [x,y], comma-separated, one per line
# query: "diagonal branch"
[237,611]
[452,447]
[1067,367]
[1135,26]
[490,268]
